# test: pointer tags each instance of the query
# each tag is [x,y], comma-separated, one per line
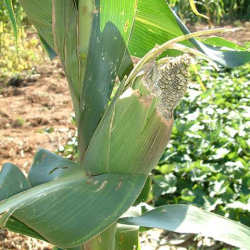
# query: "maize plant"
[94,203]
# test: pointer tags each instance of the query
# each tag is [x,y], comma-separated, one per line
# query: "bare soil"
[35,112]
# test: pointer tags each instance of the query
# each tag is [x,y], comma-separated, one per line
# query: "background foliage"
[15,61]
[216,10]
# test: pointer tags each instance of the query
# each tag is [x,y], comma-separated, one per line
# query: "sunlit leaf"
[40,15]
[111,29]
[64,209]
[189,219]
[156,23]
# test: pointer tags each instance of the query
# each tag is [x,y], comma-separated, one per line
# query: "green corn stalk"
[95,203]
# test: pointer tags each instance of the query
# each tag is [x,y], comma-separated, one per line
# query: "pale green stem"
[85,14]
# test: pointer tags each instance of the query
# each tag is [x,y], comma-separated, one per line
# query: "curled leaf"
[194,9]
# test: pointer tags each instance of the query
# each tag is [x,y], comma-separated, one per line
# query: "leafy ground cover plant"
[81,205]
[13,64]
[209,165]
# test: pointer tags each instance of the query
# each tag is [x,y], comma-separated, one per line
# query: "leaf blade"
[111,28]
[63,210]
[190,219]
[10,10]
[40,15]
[167,26]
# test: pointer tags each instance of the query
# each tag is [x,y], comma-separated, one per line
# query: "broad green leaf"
[51,53]
[40,15]
[111,28]
[156,23]
[17,226]
[127,237]
[64,210]
[126,66]
[190,219]
[221,42]
[9,7]
[100,143]
[12,181]
[229,58]
[120,13]
[145,193]
[48,167]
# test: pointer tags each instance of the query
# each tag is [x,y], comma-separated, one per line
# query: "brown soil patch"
[28,108]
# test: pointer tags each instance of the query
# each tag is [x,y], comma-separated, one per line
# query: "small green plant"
[88,204]
[13,63]
[20,121]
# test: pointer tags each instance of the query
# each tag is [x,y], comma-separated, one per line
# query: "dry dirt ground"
[36,112]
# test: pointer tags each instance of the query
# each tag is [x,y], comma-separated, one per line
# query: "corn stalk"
[89,204]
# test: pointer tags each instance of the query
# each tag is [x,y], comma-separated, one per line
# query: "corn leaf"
[111,29]
[156,23]
[13,181]
[51,53]
[40,15]
[127,237]
[17,226]
[64,209]
[9,7]
[223,43]
[190,219]
[217,52]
